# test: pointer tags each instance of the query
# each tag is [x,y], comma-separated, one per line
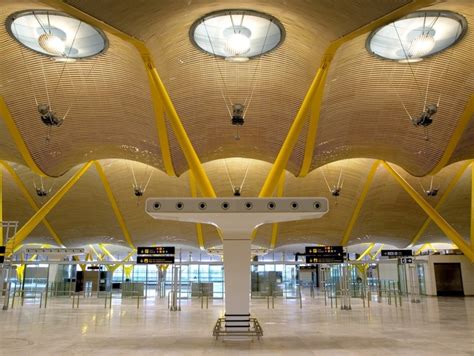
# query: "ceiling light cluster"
[417,35]
[237,35]
[56,34]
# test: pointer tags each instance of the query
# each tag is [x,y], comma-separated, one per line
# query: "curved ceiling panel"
[105,100]
[279,80]
[363,111]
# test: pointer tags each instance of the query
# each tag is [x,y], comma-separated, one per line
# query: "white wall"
[467,272]
[389,270]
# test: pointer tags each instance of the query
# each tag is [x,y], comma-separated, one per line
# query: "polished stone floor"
[436,326]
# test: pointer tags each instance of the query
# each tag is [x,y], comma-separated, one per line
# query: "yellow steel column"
[30,200]
[1,208]
[472,205]
[360,202]
[377,253]
[183,139]
[313,125]
[450,232]
[290,140]
[443,198]
[371,246]
[46,208]
[161,126]
[107,252]
[17,138]
[113,203]
[461,126]
[199,233]
[280,189]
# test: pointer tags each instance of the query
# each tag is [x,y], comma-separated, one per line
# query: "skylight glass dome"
[56,34]
[237,35]
[418,35]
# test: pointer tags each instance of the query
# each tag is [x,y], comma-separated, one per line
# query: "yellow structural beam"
[472,204]
[454,181]
[360,202]
[298,123]
[377,253]
[99,257]
[17,138]
[179,131]
[46,208]
[456,136]
[194,194]
[450,232]
[107,252]
[367,251]
[19,183]
[1,207]
[280,189]
[161,125]
[185,143]
[422,248]
[290,141]
[113,203]
[313,125]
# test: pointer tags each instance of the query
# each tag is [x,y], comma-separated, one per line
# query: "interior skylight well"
[237,35]
[416,36]
[56,34]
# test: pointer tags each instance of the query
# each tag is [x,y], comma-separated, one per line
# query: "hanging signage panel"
[397,253]
[324,251]
[155,260]
[156,250]
[316,259]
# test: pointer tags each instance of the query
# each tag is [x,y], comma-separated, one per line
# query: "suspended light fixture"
[237,35]
[52,44]
[416,36]
[56,34]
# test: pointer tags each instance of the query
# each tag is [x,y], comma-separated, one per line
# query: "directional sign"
[156,250]
[155,260]
[397,253]
[334,259]
[323,251]
[405,260]
[2,249]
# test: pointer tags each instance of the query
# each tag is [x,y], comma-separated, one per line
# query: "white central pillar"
[237,256]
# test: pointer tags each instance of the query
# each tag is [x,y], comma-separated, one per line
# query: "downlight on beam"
[56,34]
[237,35]
[416,36]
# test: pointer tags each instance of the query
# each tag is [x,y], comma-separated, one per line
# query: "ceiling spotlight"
[237,35]
[422,45]
[417,35]
[52,44]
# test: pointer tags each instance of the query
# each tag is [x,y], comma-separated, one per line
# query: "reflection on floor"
[436,326]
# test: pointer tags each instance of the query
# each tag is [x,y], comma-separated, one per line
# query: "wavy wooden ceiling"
[111,113]
[388,214]
[112,117]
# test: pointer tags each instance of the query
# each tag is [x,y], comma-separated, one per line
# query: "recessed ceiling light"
[416,36]
[56,34]
[237,35]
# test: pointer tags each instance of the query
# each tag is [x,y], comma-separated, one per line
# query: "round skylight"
[56,34]
[237,35]
[418,35]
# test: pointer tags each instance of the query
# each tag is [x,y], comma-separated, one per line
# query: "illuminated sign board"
[156,250]
[396,253]
[155,260]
